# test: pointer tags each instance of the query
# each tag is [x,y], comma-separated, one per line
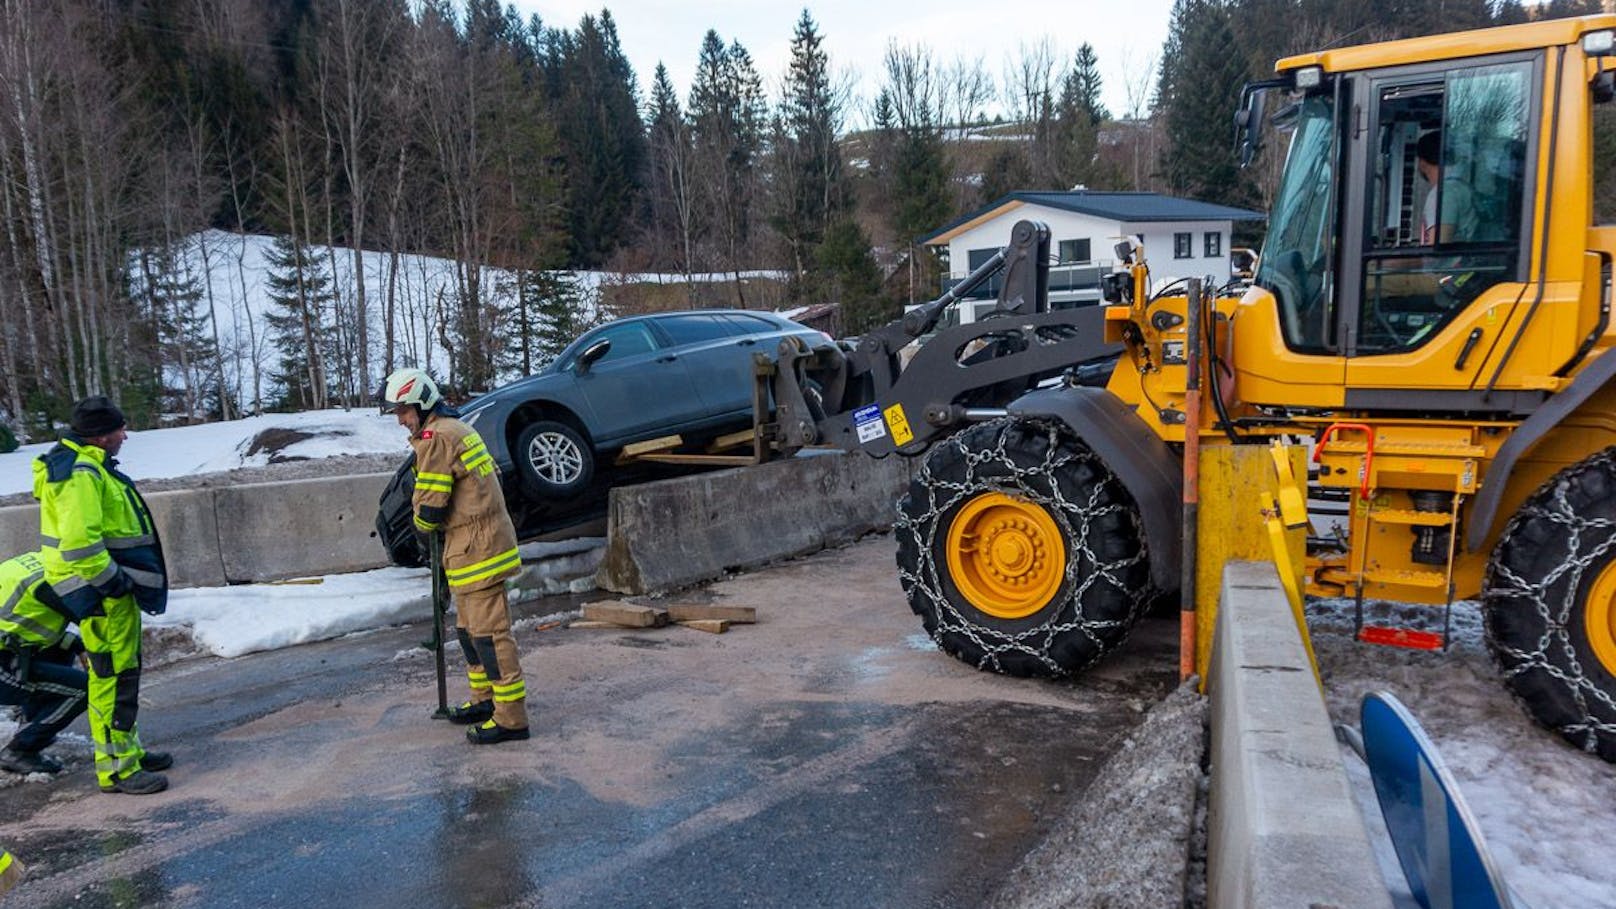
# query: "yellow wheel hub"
[1599,617]
[1005,555]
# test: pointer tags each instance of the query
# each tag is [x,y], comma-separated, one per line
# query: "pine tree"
[1078,115]
[852,278]
[808,179]
[726,115]
[299,292]
[548,314]
[604,140]
[1198,93]
[186,369]
[676,222]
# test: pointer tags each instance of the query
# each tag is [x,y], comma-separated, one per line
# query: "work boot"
[141,782]
[491,733]
[26,762]
[156,760]
[471,712]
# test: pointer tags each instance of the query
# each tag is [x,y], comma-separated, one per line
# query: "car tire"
[1026,488]
[1549,605]
[553,460]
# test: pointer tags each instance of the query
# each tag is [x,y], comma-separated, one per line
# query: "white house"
[1183,239]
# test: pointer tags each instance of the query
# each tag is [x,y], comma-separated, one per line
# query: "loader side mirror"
[1248,124]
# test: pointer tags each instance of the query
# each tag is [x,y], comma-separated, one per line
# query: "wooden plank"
[639,449]
[711,626]
[584,624]
[711,459]
[744,437]
[739,615]
[628,615]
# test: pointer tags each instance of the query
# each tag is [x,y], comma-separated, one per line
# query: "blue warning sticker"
[867,420]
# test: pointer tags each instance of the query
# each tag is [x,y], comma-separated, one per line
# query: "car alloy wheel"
[555,460]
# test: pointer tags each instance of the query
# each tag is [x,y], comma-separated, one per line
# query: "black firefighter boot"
[491,733]
[471,712]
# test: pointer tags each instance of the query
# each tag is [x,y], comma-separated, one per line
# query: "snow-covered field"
[1545,809]
[208,447]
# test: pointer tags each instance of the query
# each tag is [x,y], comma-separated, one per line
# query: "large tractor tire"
[1550,605]
[1021,552]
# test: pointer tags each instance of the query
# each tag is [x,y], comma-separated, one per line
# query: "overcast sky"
[1127,35]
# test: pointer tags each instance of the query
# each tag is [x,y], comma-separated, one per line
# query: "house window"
[979,257]
[1072,251]
[1183,245]
[1214,244]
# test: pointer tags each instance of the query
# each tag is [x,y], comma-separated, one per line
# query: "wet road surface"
[827,756]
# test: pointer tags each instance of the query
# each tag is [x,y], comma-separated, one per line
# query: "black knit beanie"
[95,416]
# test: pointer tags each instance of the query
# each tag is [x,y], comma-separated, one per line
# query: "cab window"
[1447,181]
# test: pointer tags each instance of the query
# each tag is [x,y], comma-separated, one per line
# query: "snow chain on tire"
[1538,581]
[1106,583]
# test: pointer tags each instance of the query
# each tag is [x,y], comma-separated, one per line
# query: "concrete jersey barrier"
[214,536]
[1283,829]
[675,533]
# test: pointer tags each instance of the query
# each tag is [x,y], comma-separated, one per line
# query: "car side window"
[749,325]
[627,340]
[694,329]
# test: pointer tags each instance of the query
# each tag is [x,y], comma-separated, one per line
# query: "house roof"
[1113,206]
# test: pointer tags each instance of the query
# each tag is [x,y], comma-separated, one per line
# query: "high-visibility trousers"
[112,645]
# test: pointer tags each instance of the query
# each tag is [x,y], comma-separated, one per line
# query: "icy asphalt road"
[827,756]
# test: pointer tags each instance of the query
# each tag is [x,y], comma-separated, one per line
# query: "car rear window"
[749,325]
[694,329]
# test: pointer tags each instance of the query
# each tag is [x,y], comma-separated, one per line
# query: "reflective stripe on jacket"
[30,612]
[457,490]
[97,538]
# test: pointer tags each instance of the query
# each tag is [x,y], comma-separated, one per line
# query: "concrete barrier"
[1283,828]
[269,531]
[214,536]
[674,533]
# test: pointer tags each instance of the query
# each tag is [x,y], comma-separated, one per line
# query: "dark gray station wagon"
[644,377]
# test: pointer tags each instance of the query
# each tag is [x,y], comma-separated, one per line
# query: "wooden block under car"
[587,625]
[738,615]
[711,626]
[629,615]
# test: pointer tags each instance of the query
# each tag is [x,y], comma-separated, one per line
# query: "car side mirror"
[592,353]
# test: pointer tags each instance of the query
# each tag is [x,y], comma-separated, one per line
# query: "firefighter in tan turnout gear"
[457,493]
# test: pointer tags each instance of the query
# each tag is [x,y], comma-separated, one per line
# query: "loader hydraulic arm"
[865,399]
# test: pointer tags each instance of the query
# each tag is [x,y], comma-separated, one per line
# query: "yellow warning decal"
[899,424]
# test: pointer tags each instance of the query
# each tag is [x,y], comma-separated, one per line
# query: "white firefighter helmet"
[410,386]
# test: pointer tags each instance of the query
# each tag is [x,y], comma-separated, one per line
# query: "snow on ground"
[231,621]
[208,447]
[1544,807]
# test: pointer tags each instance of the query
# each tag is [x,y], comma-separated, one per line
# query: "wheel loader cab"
[1426,243]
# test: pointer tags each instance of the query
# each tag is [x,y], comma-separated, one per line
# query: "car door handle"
[746,342]
[668,358]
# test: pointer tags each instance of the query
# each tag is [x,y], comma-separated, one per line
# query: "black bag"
[395,519]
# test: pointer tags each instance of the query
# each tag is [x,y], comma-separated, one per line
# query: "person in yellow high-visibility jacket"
[38,668]
[104,561]
[457,493]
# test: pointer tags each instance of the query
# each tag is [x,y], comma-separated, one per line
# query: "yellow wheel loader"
[1431,310]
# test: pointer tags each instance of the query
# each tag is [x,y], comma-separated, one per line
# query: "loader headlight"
[1309,77]
[1599,44]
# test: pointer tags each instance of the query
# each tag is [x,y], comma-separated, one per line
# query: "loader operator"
[457,493]
[38,670]
[103,560]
